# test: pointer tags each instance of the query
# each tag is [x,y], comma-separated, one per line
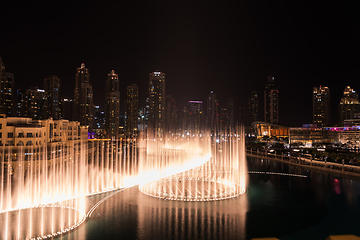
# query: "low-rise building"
[270,130]
[309,136]
[25,132]
[25,139]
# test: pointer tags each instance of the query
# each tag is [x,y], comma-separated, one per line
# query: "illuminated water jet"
[221,176]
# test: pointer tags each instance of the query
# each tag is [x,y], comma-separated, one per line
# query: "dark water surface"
[275,206]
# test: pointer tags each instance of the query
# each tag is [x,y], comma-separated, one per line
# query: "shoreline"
[302,162]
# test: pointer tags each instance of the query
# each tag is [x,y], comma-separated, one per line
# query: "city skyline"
[65,95]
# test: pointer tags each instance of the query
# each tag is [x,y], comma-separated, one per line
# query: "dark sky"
[229,48]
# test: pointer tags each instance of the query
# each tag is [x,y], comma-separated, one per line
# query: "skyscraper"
[230,113]
[2,81]
[212,114]
[2,70]
[321,106]
[35,104]
[243,115]
[156,122]
[67,109]
[99,119]
[253,106]
[112,105]
[52,88]
[20,106]
[226,117]
[83,98]
[349,105]
[6,91]
[271,101]
[195,117]
[171,114]
[132,109]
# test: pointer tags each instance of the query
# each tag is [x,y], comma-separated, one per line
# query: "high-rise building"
[2,70]
[52,88]
[230,121]
[99,118]
[349,106]
[224,120]
[253,106]
[212,114]
[156,122]
[112,105]
[321,106]
[146,113]
[35,104]
[195,117]
[2,81]
[83,98]
[20,106]
[227,117]
[141,119]
[184,120]
[67,109]
[271,101]
[243,115]
[132,109]
[6,91]
[171,114]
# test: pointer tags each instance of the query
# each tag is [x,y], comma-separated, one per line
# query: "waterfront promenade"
[337,168]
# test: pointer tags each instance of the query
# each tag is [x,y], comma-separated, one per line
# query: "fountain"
[44,191]
[219,177]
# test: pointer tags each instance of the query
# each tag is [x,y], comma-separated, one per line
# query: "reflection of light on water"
[337,187]
[191,220]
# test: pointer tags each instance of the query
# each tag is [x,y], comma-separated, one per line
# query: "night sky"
[225,47]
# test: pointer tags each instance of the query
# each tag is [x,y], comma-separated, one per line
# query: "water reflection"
[274,206]
[191,220]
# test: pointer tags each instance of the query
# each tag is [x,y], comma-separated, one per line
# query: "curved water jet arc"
[34,214]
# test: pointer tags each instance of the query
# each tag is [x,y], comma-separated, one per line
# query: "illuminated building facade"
[349,106]
[83,98]
[212,114]
[310,135]
[112,105]
[132,109]
[156,121]
[270,130]
[29,133]
[271,101]
[6,91]
[52,88]
[35,104]
[321,106]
